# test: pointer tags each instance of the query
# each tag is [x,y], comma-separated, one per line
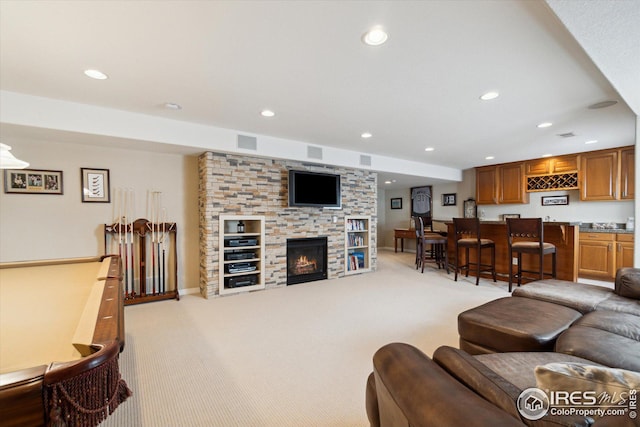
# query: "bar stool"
[467,235]
[526,236]
[427,225]
[438,244]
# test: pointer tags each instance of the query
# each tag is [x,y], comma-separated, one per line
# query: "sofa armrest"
[627,282]
[412,390]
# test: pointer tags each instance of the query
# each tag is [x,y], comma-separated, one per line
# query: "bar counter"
[564,235]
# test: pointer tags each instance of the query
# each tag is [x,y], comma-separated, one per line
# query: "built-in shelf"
[357,244]
[241,253]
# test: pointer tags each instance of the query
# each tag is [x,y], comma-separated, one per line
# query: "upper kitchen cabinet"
[608,174]
[501,184]
[627,173]
[552,165]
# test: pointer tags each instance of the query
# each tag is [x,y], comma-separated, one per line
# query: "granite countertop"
[586,227]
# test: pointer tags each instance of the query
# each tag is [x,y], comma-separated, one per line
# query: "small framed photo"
[32,181]
[396,203]
[449,199]
[95,185]
[555,200]
[505,216]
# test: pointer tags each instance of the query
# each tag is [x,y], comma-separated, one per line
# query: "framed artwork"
[95,185]
[505,216]
[32,181]
[554,200]
[421,201]
[470,209]
[449,199]
[396,203]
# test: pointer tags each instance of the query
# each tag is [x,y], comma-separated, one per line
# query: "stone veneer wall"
[239,185]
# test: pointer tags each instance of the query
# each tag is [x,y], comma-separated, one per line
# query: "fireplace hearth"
[306,260]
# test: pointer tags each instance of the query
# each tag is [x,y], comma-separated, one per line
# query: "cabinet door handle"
[609,247]
[619,247]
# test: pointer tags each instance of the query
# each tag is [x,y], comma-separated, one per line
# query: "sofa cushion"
[515,324]
[607,348]
[579,296]
[620,304]
[628,282]
[623,324]
[602,380]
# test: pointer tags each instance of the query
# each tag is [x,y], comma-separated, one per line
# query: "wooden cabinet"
[501,184]
[627,173]
[608,174]
[241,254]
[624,250]
[357,244]
[602,254]
[552,165]
[597,255]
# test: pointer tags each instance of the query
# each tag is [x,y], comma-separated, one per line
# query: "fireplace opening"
[306,260]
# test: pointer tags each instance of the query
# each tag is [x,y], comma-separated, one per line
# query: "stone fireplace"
[232,184]
[306,260]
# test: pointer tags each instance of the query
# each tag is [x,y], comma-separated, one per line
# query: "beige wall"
[36,227]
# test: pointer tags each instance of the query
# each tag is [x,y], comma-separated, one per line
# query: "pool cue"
[158,236]
[153,242]
[126,245]
[164,236]
[131,217]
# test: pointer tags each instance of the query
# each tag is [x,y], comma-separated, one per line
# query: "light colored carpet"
[295,356]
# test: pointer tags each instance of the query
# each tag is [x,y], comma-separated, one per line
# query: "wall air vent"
[247,142]
[365,160]
[566,135]
[314,152]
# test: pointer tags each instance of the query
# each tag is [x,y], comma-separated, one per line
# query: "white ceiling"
[225,61]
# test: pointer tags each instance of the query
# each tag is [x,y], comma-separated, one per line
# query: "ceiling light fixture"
[96,74]
[545,125]
[603,104]
[375,36]
[547,155]
[489,158]
[429,149]
[8,161]
[593,141]
[172,106]
[489,96]
[366,135]
[387,182]
[267,113]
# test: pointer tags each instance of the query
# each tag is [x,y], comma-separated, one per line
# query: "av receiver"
[235,256]
[240,242]
[237,282]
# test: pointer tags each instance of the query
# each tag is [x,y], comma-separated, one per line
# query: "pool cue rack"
[149,259]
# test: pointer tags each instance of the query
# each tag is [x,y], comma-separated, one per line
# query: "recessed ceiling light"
[603,104]
[366,135]
[95,74]
[489,158]
[547,155]
[429,149]
[172,106]
[545,125]
[387,182]
[489,96]
[268,113]
[593,141]
[375,36]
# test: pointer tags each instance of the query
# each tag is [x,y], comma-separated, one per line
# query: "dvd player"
[240,267]
[241,242]
[237,282]
[235,256]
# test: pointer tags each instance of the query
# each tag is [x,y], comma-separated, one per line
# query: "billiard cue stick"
[131,195]
[164,236]
[158,237]
[153,242]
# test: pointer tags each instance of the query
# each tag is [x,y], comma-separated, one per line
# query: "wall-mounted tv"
[314,189]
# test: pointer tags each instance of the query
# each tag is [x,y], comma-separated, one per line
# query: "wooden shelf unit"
[357,244]
[234,243]
[149,259]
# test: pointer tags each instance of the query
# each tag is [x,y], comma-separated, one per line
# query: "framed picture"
[555,200]
[32,181]
[449,199]
[470,208]
[95,185]
[421,203]
[396,203]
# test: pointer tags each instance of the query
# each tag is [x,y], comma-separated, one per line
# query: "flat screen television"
[314,189]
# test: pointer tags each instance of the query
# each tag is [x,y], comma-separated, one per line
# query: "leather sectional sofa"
[511,345]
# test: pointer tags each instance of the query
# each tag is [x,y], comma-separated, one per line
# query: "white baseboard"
[188,291]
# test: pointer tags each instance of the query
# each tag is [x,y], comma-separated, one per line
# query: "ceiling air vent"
[566,135]
[365,160]
[314,152]
[247,142]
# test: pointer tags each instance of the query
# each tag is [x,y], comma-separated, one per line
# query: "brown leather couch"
[456,388]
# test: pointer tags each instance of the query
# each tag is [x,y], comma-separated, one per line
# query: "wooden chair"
[437,244]
[428,225]
[526,235]
[467,236]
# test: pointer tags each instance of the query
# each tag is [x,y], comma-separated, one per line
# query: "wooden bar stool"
[526,235]
[467,236]
[437,244]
